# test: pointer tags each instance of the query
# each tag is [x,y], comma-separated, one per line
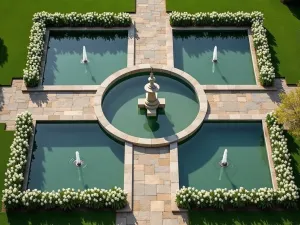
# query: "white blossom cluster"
[254,19]
[17,161]
[41,20]
[68,199]
[282,160]
[285,195]
[14,197]
[266,69]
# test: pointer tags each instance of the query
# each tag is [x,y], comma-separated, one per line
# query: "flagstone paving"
[79,106]
[152,176]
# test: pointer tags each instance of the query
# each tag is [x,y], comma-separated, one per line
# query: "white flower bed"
[286,195]
[66,199]
[42,20]
[253,19]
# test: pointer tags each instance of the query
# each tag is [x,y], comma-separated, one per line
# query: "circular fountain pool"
[120,106]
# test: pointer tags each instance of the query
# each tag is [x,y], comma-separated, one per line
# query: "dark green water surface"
[199,157]
[193,53]
[120,106]
[53,167]
[106,52]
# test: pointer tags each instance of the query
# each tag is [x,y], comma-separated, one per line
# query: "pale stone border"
[235,116]
[128,178]
[29,157]
[85,88]
[269,153]
[147,142]
[174,176]
[170,57]
[128,164]
[174,162]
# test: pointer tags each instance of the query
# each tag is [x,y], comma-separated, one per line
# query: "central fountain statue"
[151,102]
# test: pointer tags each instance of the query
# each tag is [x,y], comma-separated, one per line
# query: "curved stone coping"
[150,142]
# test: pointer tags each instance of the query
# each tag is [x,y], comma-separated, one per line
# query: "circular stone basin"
[120,106]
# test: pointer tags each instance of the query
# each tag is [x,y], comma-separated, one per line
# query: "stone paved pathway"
[150,19]
[152,188]
[76,106]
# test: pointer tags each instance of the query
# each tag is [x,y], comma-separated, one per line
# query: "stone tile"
[163,189]
[139,167]
[164,162]
[168,206]
[163,197]
[162,169]
[157,206]
[136,205]
[143,215]
[152,179]
[242,99]
[163,176]
[139,175]
[149,170]
[139,189]
[170,222]
[156,218]
[150,189]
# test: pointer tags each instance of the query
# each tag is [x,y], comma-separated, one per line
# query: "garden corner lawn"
[6,138]
[281,21]
[58,218]
[17,20]
[244,218]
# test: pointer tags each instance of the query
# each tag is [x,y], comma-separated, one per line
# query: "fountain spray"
[84,56]
[215,54]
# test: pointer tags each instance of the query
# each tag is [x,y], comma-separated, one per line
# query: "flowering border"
[66,199]
[42,20]
[285,195]
[253,19]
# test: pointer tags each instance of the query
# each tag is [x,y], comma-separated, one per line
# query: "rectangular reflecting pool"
[106,53]
[193,53]
[53,160]
[248,165]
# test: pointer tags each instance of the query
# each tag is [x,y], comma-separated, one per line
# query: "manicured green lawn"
[16,21]
[6,138]
[294,147]
[282,22]
[58,218]
[244,218]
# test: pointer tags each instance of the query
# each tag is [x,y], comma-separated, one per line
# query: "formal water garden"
[150,114]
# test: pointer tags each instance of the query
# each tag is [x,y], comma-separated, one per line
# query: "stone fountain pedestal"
[151,102]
